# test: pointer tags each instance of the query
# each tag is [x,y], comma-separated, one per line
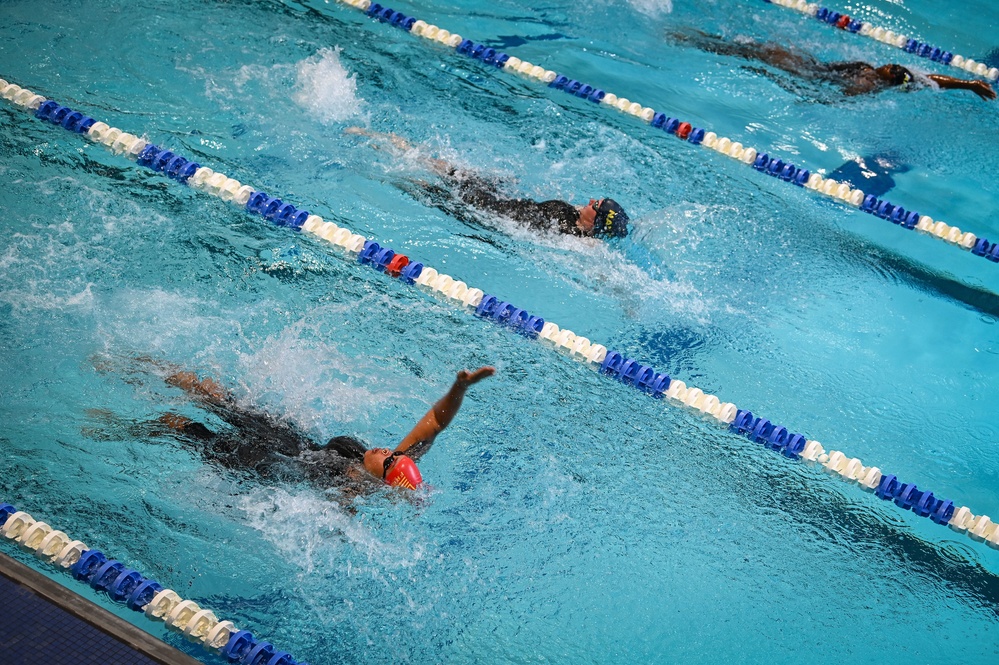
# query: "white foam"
[310,531]
[324,87]
[309,381]
[47,262]
[652,7]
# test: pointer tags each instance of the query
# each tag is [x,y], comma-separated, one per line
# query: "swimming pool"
[571,518]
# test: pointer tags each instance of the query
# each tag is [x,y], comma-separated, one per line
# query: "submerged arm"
[772,54]
[380,139]
[980,88]
[440,415]
[207,390]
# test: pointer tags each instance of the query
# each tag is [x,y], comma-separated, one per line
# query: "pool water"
[569,517]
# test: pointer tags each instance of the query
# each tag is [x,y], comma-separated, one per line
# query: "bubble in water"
[326,88]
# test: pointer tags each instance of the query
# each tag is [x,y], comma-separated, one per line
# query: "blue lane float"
[628,371]
[65,117]
[138,593]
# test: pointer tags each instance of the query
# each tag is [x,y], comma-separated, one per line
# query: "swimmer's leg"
[715,44]
[188,428]
[105,425]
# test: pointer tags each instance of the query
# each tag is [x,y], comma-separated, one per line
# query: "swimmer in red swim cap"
[274,448]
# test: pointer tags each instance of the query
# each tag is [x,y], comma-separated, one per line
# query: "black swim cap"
[611,220]
[899,75]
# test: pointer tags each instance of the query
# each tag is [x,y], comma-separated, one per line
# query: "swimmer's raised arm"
[441,414]
[980,88]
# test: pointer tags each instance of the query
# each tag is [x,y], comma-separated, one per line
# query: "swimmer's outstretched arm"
[980,88]
[442,413]
[399,143]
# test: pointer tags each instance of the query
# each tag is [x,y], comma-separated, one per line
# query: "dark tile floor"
[33,632]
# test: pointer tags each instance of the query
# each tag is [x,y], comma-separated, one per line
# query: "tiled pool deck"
[44,623]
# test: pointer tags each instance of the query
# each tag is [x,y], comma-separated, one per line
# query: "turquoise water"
[570,518]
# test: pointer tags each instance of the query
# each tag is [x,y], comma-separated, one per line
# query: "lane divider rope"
[137,592]
[628,371]
[841,192]
[907,44]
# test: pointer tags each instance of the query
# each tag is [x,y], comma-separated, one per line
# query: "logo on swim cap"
[404,473]
[611,220]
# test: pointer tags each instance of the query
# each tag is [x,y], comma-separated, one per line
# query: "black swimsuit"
[269,447]
[480,194]
[858,77]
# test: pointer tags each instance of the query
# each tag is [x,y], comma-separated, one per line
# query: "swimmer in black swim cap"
[463,190]
[603,217]
[895,75]
[852,78]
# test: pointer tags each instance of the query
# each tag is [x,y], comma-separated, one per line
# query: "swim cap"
[611,220]
[899,75]
[404,473]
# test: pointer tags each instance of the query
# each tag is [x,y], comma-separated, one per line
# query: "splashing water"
[311,382]
[652,7]
[326,88]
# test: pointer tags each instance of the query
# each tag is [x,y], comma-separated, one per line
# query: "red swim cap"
[404,474]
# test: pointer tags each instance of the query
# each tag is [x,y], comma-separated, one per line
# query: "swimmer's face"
[588,216]
[374,461]
[893,74]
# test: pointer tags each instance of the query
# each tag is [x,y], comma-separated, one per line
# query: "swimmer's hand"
[466,378]
[983,90]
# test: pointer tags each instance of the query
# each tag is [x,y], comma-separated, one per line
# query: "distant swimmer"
[600,218]
[273,448]
[853,78]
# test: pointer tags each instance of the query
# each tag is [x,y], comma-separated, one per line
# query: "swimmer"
[600,218]
[853,78]
[273,448]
